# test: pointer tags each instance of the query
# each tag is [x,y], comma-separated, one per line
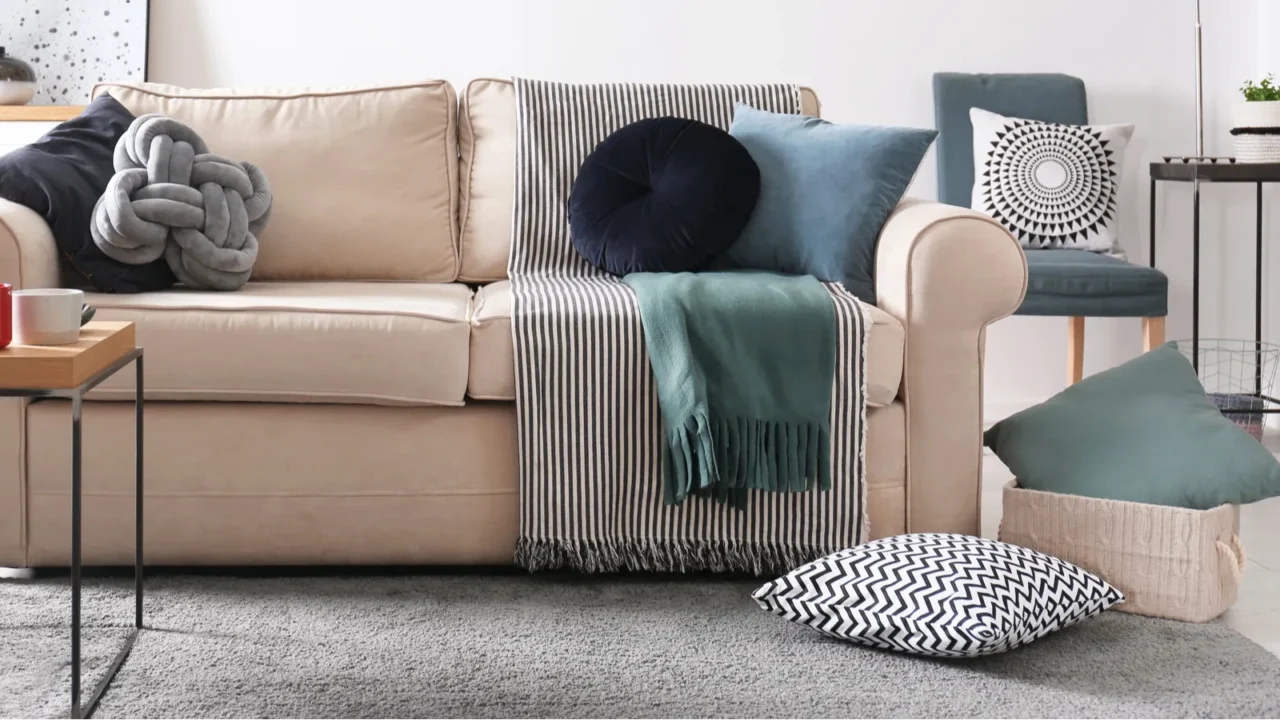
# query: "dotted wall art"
[73,44]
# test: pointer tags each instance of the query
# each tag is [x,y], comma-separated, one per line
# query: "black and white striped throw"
[589,425]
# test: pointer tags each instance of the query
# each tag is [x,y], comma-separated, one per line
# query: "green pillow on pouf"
[1144,432]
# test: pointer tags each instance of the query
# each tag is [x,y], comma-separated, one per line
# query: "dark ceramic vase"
[17,80]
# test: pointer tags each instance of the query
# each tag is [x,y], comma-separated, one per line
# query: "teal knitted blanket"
[744,364]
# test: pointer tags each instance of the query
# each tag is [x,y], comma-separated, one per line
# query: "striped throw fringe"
[590,431]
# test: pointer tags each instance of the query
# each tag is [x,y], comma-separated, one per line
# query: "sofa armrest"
[28,253]
[945,273]
[28,259]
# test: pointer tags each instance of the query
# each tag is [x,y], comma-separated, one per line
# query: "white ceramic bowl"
[47,316]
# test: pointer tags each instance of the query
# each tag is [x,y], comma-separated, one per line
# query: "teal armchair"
[1061,283]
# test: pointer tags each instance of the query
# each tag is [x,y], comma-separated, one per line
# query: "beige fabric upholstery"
[376,343]
[809,104]
[487,140]
[13,483]
[945,273]
[269,484]
[884,357]
[493,356]
[28,259]
[887,470]
[263,484]
[28,254]
[364,179]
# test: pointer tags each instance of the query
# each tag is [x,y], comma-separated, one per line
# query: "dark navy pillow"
[61,176]
[662,195]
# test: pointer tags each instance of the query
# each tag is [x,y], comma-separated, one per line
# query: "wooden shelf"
[39,113]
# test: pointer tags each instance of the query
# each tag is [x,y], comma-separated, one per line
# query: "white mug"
[48,316]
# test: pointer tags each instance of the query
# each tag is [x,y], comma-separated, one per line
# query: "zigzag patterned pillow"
[938,594]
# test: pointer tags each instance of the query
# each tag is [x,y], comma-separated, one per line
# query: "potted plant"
[1257,122]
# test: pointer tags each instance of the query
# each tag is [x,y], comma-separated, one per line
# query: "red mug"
[6,315]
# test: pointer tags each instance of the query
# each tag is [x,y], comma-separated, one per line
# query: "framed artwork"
[73,44]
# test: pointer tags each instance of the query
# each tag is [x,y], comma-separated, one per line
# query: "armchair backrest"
[1046,97]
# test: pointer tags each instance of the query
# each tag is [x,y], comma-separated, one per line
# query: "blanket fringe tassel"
[592,556]
[723,457]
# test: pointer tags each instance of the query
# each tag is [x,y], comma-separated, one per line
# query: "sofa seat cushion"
[493,356]
[365,343]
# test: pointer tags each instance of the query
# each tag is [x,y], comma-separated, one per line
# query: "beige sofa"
[353,404]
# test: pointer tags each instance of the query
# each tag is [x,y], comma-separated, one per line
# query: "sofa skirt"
[242,484]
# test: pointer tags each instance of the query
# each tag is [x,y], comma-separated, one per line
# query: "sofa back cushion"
[487,139]
[365,180]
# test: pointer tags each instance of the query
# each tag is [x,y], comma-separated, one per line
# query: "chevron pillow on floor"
[938,594]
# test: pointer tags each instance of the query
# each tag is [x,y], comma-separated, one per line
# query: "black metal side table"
[1221,171]
[69,372]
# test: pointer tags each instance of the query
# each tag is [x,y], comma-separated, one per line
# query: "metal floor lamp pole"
[1195,196]
[1199,85]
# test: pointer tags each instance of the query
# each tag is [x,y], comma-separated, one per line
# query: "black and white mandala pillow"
[938,594]
[1051,185]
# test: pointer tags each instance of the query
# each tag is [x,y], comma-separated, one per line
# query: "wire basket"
[1238,376]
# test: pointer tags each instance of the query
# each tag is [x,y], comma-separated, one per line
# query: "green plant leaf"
[1265,91]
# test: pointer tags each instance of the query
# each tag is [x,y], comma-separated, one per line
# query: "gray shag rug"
[571,646]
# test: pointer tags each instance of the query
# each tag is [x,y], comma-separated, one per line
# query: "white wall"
[870,61]
[1268,37]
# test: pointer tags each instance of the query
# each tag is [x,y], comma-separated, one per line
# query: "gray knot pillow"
[172,198]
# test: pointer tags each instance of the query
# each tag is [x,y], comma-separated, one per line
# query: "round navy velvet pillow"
[662,195]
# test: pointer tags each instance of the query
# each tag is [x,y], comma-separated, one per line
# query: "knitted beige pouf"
[1169,562]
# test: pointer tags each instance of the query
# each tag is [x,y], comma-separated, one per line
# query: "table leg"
[77,709]
[1257,302]
[75,556]
[1195,275]
[1151,258]
[137,491]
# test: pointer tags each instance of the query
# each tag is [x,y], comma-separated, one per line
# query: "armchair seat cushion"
[493,373]
[330,342]
[1080,283]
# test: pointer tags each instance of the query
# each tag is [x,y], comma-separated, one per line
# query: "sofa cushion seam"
[451,133]
[284,310]
[137,87]
[153,495]
[102,393]
[464,216]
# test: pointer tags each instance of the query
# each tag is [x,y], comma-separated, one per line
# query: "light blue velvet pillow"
[825,192]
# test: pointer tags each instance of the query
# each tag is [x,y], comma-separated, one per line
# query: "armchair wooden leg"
[1075,349]
[1152,333]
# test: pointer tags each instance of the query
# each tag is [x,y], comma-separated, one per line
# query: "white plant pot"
[1257,114]
[1257,148]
